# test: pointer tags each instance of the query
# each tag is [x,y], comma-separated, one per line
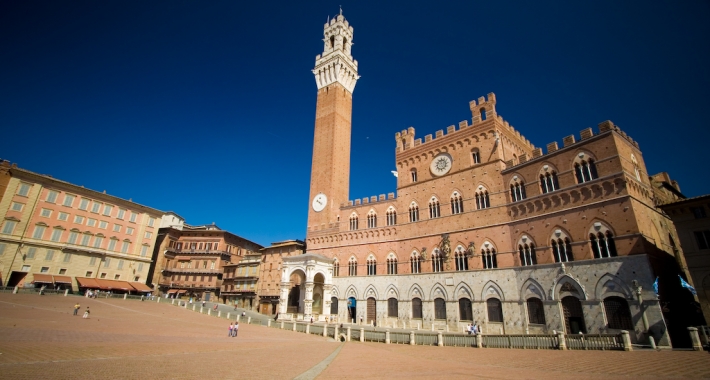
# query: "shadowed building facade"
[484,226]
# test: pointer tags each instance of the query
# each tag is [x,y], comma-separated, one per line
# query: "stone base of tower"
[435,301]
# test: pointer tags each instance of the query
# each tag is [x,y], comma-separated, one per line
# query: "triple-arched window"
[585,168]
[391,216]
[517,190]
[434,210]
[482,198]
[460,258]
[561,247]
[413,212]
[416,262]
[437,261]
[526,248]
[391,264]
[371,265]
[353,222]
[603,244]
[352,266]
[456,203]
[548,180]
[371,219]
[488,255]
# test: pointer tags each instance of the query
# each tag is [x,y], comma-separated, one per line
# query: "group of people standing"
[233,329]
[473,329]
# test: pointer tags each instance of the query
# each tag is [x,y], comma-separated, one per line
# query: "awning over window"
[141,287]
[114,285]
[182,291]
[171,291]
[41,278]
[62,279]
[85,282]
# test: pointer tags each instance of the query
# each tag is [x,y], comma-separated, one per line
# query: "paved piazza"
[125,339]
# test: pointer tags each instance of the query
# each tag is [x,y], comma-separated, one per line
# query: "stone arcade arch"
[316,273]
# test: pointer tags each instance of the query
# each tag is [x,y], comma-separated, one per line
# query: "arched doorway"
[318,281]
[334,305]
[295,295]
[352,308]
[574,317]
[371,310]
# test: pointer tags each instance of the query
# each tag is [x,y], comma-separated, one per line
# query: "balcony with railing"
[192,270]
[197,252]
[201,285]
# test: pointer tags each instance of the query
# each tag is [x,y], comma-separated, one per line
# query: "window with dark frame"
[495,310]
[618,314]
[536,311]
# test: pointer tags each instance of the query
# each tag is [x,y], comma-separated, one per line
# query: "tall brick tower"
[336,75]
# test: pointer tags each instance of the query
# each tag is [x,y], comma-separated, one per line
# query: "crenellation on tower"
[404,139]
[336,63]
[483,109]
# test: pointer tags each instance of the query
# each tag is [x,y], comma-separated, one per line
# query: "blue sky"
[207,108]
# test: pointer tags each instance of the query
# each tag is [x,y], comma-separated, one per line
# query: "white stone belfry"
[314,291]
[336,64]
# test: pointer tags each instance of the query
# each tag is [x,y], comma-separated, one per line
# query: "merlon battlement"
[482,110]
[584,134]
[369,200]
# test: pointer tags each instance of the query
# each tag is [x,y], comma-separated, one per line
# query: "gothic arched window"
[352,266]
[413,212]
[548,180]
[372,219]
[391,264]
[416,262]
[434,210]
[488,255]
[371,266]
[391,216]
[456,203]
[482,199]
[353,222]
[527,252]
[461,259]
[584,168]
[437,262]
[517,190]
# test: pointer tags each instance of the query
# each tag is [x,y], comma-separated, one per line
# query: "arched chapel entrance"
[306,283]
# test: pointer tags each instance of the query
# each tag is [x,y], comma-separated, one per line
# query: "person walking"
[231,327]
[76,308]
[86,313]
[235,329]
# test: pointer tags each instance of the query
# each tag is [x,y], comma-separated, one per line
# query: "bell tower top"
[336,63]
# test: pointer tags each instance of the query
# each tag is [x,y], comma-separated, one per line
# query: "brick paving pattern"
[124,339]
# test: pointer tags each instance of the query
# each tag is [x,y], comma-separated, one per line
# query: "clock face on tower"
[319,202]
[441,164]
